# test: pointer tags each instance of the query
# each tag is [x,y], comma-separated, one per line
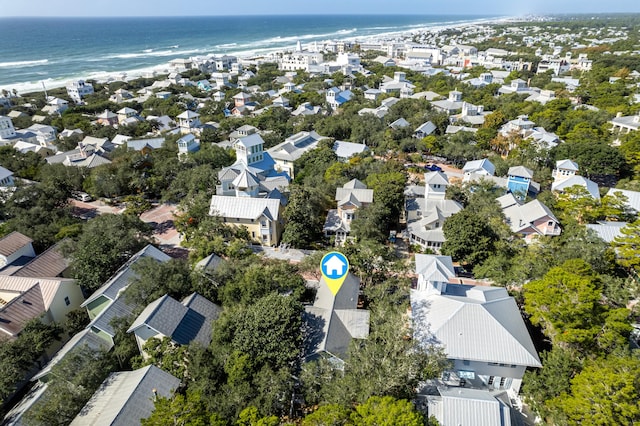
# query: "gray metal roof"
[50,263]
[460,406]
[117,309]
[590,185]
[633,197]
[348,149]
[608,231]
[335,320]
[126,397]
[434,268]
[120,279]
[13,242]
[244,207]
[520,171]
[474,323]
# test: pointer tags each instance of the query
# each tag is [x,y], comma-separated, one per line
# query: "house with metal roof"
[13,247]
[426,215]
[532,219]
[127,397]
[632,198]
[335,319]
[345,150]
[286,153]
[351,197]
[607,231]
[106,303]
[261,216]
[454,406]
[183,322]
[481,167]
[481,330]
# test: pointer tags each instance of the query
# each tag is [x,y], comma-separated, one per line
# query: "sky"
[48,8]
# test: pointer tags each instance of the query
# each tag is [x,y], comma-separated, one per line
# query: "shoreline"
[31,87]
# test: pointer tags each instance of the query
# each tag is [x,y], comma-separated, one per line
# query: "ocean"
[52,51]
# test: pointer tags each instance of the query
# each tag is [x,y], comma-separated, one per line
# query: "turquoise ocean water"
[53,50]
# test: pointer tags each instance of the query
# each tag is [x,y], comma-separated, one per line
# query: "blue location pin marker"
[334,267]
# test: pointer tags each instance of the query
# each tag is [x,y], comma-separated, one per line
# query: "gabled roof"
[479,165]
[48,286]
[355,184]
[11,243]
[436,178]
[434,268]
[336,319]
[474,323]
[522,216]
[607,231]
[248,141]
[633,197]
[400,123]
[361,195]
[348,149]
[20,310]
[139,144]
[112,288]
[126,397]
[590,185]
[426,128]
[567,165]
[246,179]
[50,263]
[187,115]
[520,171]
[462,406]
[244,207]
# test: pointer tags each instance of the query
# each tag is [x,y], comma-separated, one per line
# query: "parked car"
[433,168]
[81,196]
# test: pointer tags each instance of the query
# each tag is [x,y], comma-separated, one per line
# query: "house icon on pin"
[334,267]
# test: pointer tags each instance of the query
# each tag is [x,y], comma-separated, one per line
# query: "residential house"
[306,109]
[281,101]
[453,406]
[520,125]
[398,84]
[78,90]
[385,61]
[335,97]
[520,181]
[6,178]
[531,220]
[426,215]
[482,167]
[345,150]
[471,114]
[607,231]
[262,217]
[107,118]
[400,123]
[241,99]
[145,146]
[625,124]
[23,298]
[424,130]
[15,246]
[450,105]
[127,397]
[183,322]
[7,131]
[335,320]
[481,330]
[189,122]
[372,94]
[285,154]
[433,271]
[55,106]
[108,303]
[188,144]
[351,197]
[127,116]
[632,198]
[565,176]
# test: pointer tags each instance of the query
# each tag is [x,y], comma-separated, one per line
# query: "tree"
[565,303]
[268,331]
[387,410]
[627,245]
[71,383]
[606,392]
[182,409]
[469,238]
[328,415]
[540,386]
[154,279]
[106,243]
[303,216]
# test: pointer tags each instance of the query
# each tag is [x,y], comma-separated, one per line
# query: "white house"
[78,90]
[481,330]
[7,131]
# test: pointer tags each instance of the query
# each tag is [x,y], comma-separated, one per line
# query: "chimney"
[155,394]
[619,114]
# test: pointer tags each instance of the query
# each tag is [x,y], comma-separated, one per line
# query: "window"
[263,223]
[67,301]
[465,362]
[490,382]
[550,223]
[502,380]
